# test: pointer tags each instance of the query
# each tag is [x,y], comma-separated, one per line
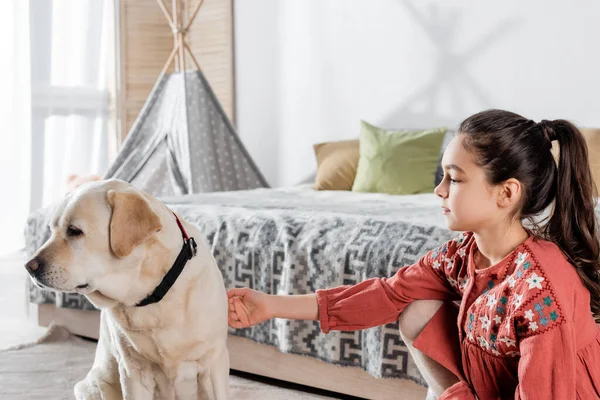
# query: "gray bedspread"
[295,241]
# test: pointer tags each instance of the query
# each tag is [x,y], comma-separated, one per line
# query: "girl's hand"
[248,307]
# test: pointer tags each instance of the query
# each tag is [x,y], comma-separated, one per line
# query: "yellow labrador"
[118,246]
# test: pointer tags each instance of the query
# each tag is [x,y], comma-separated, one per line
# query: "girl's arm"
[302,307]
[439,275]
[249,307]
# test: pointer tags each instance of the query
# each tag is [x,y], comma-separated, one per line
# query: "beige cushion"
[592,137]
[336,164]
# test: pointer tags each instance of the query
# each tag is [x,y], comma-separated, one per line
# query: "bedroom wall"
[309,70]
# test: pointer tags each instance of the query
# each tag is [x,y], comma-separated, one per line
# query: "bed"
[295,241]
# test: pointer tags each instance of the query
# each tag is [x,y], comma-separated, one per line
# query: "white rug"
[49,368]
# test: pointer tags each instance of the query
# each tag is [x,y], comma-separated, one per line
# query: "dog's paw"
[86,390]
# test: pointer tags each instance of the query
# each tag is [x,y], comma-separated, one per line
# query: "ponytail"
[573,225]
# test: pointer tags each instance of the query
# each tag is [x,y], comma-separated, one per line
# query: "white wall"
[309,70]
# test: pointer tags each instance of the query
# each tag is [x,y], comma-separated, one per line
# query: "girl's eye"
[453,181]
[74,232]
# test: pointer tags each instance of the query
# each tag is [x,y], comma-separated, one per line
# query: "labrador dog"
[162,334]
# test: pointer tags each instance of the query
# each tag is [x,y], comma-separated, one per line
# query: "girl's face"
[469,202]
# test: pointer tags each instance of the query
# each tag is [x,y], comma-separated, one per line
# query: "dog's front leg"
[186,383]
[137,382]
[219,375]
[102,382]
[214,382]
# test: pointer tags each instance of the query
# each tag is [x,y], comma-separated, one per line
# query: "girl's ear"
[510,193]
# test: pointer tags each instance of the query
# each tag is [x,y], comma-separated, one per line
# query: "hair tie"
[547,129]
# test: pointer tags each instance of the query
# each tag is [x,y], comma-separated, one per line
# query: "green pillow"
[397,162]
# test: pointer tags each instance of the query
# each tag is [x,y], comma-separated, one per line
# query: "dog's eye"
[73,232]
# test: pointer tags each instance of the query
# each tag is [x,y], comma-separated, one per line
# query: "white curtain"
[15,118]
[60,102]
[72,58]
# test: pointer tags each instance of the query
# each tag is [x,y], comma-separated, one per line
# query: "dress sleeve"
[547,365]
[439,275]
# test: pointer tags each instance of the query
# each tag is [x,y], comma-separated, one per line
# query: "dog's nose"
[33,265]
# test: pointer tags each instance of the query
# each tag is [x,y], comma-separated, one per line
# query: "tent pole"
[181,50]
[164,10]
[174,29]
[169,61]
[176,22]
[193,16]
[178,33]
[192,55]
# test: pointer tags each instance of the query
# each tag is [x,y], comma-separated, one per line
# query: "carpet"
[49,368]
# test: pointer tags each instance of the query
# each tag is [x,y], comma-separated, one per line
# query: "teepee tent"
[182,141]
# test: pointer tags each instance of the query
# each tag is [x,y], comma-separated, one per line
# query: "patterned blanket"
[295,241]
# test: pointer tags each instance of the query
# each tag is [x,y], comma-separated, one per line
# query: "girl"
[528,295]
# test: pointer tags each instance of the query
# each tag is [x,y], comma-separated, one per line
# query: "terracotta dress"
[524,328]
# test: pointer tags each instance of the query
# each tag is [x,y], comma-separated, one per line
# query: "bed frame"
[259,359]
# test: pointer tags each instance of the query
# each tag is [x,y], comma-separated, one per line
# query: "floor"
[18,323]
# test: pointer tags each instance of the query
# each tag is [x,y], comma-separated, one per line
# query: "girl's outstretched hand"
[248,307]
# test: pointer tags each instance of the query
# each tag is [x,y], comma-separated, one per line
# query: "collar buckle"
[193,247]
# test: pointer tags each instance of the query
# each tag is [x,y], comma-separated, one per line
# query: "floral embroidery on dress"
[512,307]
[448,260]
[536,308]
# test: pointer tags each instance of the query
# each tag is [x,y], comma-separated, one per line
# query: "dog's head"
[100,233]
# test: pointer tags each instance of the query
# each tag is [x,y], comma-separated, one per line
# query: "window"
[72,92]
[57,102]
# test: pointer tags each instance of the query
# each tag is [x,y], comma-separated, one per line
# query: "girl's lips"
[445,210]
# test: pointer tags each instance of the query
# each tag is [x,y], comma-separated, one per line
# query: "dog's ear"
[132,222]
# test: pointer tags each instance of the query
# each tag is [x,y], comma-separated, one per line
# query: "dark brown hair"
[507,145]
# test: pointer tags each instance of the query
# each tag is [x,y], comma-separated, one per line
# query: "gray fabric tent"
[183,142]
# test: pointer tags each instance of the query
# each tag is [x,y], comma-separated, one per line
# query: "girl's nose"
[440,190]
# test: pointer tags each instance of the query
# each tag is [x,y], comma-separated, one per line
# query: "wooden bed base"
[259,359]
